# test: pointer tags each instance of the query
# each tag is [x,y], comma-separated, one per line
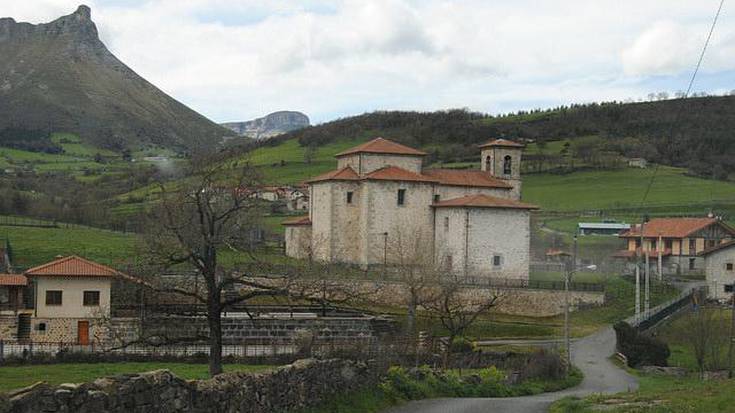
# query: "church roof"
[298,221]
[344,174]
[394,173]
[384,146]
[73,266]
[483,201]
[502,143]
[673,227]
[464,177]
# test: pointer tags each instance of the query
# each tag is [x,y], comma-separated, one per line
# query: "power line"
[686,95]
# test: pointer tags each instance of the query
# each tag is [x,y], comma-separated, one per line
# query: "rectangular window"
[436,198]
[91,298]
[728,266]
[401,196]
[637,242]
[669,244]
[349,197]
[497,260]
[446,224]
[653,245]
[53,297]
[692,261]
[692,247]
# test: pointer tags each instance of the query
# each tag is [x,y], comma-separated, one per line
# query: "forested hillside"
[696,133]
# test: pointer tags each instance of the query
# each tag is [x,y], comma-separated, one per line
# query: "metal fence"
[665,310]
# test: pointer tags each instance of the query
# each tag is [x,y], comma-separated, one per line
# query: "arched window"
[507,165]
[489,164]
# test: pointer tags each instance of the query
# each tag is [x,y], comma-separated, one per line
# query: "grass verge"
[14,377]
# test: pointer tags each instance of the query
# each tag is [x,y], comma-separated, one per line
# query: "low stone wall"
[302,384]
[515,301]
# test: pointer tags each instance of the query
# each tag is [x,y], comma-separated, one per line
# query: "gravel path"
[590,354]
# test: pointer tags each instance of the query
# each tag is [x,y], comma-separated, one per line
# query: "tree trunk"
[411,317]
[214,317]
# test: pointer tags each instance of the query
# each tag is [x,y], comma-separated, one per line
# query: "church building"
[381,206]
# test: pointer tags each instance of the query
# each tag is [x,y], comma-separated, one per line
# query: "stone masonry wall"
[302,384]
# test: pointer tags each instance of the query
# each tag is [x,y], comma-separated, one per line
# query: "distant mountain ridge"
[60,77]
[271,125]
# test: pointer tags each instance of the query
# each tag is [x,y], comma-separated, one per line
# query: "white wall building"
[719,264]
[382,207]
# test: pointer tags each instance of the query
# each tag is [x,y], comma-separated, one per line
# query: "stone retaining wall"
[302,384]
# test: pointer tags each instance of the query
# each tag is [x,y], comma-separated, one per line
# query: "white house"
[719,264]
[71,299]
[381,205]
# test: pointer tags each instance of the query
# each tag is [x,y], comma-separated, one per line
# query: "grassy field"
[659,395]
[676,334]
[33,246]
[13,377]
[623,188]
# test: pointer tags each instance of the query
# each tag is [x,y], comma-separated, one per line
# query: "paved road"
[590,355]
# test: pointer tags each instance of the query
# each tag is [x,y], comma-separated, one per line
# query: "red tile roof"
[394,173]
[463,177]
[297,221]
[502,143]
[717,247]
[483,201]
[13,279]
[673,227]
[344,174]
[381,145]
[73,266]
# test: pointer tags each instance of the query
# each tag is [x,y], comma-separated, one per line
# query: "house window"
[692,261]
[401,196]
[507,165]
[53,297]
[436,198]
[728,266]
[653,245]
[91,298]
[41,327]
[497,260]
[669,244]
[446,224]
[349,197]
[692,247]
[711,243]
[637,242]
[489,164]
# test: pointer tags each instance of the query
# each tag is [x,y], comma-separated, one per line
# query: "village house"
[677,241]
[381,204]
[66,300]
[719,265]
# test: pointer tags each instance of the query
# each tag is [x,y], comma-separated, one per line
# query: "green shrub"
[462,345]
[640,349]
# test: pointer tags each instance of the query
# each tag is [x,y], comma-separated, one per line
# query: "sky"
[236,60]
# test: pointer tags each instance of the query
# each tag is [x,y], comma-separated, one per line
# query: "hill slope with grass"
[693,133]
[59,77]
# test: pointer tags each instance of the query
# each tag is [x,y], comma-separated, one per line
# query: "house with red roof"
[382,206]
[66,300]
[677,241]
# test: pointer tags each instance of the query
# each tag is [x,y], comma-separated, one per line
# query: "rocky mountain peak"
[78,25]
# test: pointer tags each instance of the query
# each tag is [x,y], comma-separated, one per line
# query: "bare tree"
[193,226]
[457,311]
[706,334]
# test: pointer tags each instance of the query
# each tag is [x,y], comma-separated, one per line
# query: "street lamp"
[572,269]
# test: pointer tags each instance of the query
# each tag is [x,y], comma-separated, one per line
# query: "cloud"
[239,59]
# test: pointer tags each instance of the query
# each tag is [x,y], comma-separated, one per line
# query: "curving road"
[589,354]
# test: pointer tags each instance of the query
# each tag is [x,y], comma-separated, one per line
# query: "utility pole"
[567,327]
[660,257]
[731,288]
[637,293]
[648,282]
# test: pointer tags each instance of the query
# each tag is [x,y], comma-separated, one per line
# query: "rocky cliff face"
[270,125]
[60,77]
